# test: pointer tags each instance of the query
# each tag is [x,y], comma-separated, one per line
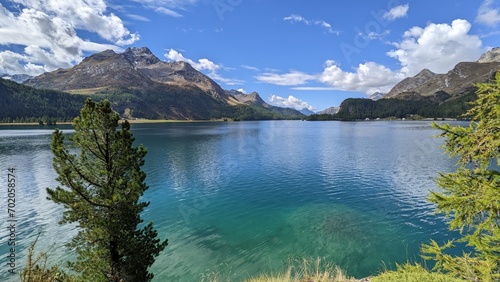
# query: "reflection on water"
[28,152]
[242,198]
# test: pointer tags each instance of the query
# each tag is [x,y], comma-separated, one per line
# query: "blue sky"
[294,53]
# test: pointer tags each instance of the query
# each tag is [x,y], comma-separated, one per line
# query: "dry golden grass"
[304,270]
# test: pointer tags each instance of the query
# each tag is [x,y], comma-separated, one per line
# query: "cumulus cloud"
[288,79]
[86,15]
[369,77]
[438,47]
[241,90]
[397,12]
[322,23]
[290,102]
[487,14]
[211,68]
[48,31]
[202,64]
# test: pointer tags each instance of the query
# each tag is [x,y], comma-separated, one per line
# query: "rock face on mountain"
[410,83]
[19,78]
[173,73]
[95,73]
[330,111]
[249,99]
[456,83]
[492,56]
[254,99]
[136,68]
[307,112]
[139,85]
[375,96]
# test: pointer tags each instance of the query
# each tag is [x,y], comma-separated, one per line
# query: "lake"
[237,199]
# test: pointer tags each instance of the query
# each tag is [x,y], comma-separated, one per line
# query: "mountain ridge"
[140,85]
[457,82]
[254,99]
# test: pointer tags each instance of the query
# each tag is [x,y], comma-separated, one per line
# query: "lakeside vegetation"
[427,107]
[470,198]
[24,104]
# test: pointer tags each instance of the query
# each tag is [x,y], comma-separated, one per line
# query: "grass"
[316,271]
[298,271]
[413,273]
[37,268]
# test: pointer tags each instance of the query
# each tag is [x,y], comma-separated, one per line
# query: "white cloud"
[225,80]
[397,12]
[290,102]
[10,63]
[487,14]
[168,12]
[241,90]
[374,35]
[438,47]
[171,8]
[203,64]
[138,18]
[250,68]
[85,15]
[48,31]
[288,79]
[313,88]
[322,23]
[369,77]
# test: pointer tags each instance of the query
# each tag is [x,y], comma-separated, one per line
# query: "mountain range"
[426,94]
[19,78]
[139,85]
[456,83]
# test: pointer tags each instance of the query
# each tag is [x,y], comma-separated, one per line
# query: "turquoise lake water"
[242,198]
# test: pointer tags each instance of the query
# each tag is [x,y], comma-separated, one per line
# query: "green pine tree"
[471,197]
[100,190]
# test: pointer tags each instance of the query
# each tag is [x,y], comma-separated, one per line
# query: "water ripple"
[239,199]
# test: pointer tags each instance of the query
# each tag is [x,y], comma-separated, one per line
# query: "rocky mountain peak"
[425,73]
[455,83]
[140,56]
[251,99]
[19,78]
[377,95]
[492,56]
[410,83]
[181,65]
[102,56]
[330,111]
[306,112]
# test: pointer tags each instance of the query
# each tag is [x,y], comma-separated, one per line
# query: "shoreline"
[151,121]
[133,121]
